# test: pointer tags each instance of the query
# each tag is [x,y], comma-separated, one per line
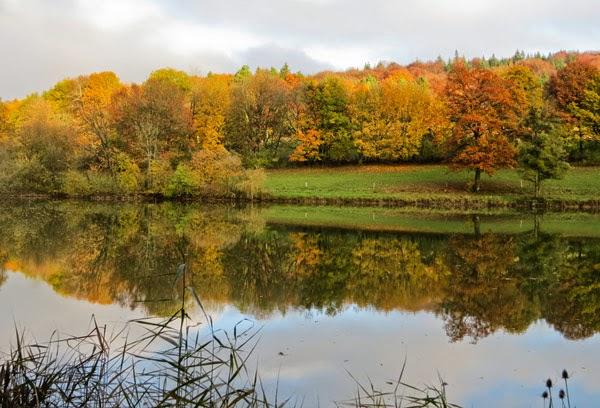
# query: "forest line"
[185,135]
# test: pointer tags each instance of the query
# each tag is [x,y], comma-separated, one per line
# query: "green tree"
[542,154]
[181,79]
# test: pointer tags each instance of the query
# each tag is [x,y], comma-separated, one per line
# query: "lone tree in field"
[484,112]
[542,154]
[543,158]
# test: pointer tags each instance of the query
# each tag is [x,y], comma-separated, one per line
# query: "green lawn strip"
[423,182]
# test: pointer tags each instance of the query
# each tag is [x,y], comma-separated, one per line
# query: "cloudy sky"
[43,41]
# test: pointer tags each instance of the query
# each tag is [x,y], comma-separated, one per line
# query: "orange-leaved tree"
[484,113]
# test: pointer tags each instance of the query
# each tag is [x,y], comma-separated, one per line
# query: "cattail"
[545,394]
[561,394]
[565,376]
[549,383]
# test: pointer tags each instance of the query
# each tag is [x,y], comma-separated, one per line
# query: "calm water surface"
[493,304]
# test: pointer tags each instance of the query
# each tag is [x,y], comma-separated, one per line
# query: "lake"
[492,303]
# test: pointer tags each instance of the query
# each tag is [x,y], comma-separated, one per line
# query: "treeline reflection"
[477,283]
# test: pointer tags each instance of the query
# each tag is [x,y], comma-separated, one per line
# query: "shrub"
[217,170]
[159,173]
[252,182]
[31,176]
[183,183]
[128,175]
[76,184]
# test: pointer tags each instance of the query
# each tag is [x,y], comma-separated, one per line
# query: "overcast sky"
[43,41]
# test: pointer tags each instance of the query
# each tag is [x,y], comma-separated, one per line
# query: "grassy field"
[412,182]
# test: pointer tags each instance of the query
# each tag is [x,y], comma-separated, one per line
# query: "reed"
[172,362]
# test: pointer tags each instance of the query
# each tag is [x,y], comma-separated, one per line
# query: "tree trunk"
[477,182]
[476,226]
[580,143]
[537,184]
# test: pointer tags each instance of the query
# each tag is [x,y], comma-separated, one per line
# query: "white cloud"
[117,14]
[44,41]
[343,57]
[185,38]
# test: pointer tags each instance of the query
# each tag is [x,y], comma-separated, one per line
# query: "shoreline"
[458,203]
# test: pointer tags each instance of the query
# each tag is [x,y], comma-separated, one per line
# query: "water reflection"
[477,283]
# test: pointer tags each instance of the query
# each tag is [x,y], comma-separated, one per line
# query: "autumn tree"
[179,78]
[482,110]
[6,146]
[588,110]
[4,125]
[569,84]
[568,88]
[89,98]
[258,123]
[210,99]
[325,128]
[44,150]
[393,117]
[152,121]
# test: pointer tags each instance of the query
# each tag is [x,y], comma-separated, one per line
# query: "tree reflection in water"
[477,283]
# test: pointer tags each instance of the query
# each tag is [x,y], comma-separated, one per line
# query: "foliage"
[587,112]
[183,182]
[482,110]
[251,183]
[473,114]
[478,281]
[210,106]
[128,176]
[152,122]
[179,78]
[393,118]
[217,168]
[327,112]
[543,158]
[259,119]
[41,151]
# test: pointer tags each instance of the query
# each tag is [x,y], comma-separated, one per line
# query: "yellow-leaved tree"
[210,103]
[393,116]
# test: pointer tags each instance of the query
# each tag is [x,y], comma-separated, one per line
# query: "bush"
[183,183]
[84,184]
[218,171]
[159,174]
[252,182]
[32,176]
[128,175]
[76,184]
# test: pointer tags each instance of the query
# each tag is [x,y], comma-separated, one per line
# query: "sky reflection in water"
[493,314]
